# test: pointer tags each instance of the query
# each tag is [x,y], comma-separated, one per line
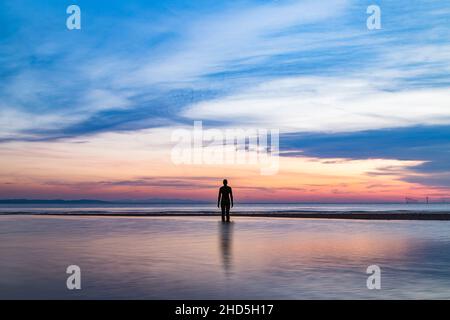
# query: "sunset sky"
[363,115]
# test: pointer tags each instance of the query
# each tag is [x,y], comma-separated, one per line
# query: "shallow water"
[200,258]
[202,208]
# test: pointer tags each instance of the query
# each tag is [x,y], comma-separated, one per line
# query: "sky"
[363,115]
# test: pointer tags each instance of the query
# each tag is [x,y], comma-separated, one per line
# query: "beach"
[381,215]
[363,211]
[198,257]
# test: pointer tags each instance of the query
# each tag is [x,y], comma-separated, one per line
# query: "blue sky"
[310,68]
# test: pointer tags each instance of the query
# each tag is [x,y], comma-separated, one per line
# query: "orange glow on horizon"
[138,166]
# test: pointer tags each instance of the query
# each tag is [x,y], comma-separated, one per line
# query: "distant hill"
[99,202]
[55,201]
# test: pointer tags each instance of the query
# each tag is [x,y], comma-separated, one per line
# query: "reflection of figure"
[225,195]
[226,236]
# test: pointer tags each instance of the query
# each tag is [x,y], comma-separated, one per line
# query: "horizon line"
[187,201]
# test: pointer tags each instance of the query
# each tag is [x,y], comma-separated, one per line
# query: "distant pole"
[427,199]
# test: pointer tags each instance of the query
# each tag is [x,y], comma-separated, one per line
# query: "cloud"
[441,179]
[156,58]
[141,182]
[215,42]
[326,104]
[427,144]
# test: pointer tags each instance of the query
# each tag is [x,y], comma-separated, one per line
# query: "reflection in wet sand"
[226,246]
[201,258]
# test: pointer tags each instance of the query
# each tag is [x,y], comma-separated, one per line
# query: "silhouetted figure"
[226,246]
[224,200]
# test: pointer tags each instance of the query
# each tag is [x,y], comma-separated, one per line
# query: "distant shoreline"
[193,202]
[349,215]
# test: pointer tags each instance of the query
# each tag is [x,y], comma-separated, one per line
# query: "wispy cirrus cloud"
[173,56]
[140,182]
[328,104]
[197,54]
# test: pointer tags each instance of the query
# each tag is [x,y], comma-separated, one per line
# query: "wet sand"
[201,258]
[351,215]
